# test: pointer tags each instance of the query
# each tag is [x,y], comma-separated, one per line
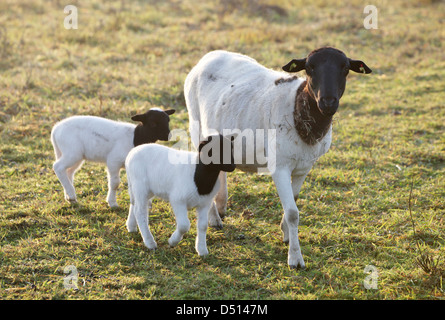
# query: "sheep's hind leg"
[219,206]
[139,211]
[222,195]
[73,169]
[113,184]
[182,224]
[62,169]
[132,225]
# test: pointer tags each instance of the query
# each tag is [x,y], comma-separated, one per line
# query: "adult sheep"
[231,91]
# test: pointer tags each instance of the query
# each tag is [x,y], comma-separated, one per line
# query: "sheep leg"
[214,219]
[201,226]
[297,182]
[282,180]
[61,167]
[132,225]
[113,184]
[222,195]
[218,208]
[138,211]
[72,170]
[182,223]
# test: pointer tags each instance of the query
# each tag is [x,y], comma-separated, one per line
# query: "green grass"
[129,56]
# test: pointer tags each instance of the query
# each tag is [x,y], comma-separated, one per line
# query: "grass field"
[383,176]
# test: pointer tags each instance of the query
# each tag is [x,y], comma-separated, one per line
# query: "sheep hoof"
[218,226]
[202,252]
[215,223]
[173,243]
[132,228]
[151,247]
[297,267]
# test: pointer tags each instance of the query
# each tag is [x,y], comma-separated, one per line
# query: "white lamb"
[80,138]
[153,170]
[230,91]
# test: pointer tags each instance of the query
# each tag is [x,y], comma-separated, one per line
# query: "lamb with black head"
[97,139]
[185,179]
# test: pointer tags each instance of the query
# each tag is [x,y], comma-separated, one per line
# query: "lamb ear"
[358,66]
[295,65]
[145,119]
[139,117]
[170,111]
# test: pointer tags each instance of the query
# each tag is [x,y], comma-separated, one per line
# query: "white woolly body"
[151,171]
[94,138]
[91,138]
[232,91]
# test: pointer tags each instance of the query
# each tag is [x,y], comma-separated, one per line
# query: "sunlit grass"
[127,57]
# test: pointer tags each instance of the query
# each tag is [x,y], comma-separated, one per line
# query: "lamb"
[80,138]
[227,91]
[154,170]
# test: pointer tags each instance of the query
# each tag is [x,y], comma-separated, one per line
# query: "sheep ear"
[359,66]
[295,65]
[145,119]
[170,111]
[139,117]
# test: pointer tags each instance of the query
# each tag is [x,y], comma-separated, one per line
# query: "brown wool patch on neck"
[310,124]
[284,80]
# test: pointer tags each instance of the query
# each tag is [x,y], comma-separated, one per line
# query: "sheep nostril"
[330,101]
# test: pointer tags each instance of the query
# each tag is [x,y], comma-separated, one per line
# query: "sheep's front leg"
[182,223]
[113,184]
[282,180]
[201,226]
[297,182]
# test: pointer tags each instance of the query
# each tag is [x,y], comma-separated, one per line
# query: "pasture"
[376,200]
